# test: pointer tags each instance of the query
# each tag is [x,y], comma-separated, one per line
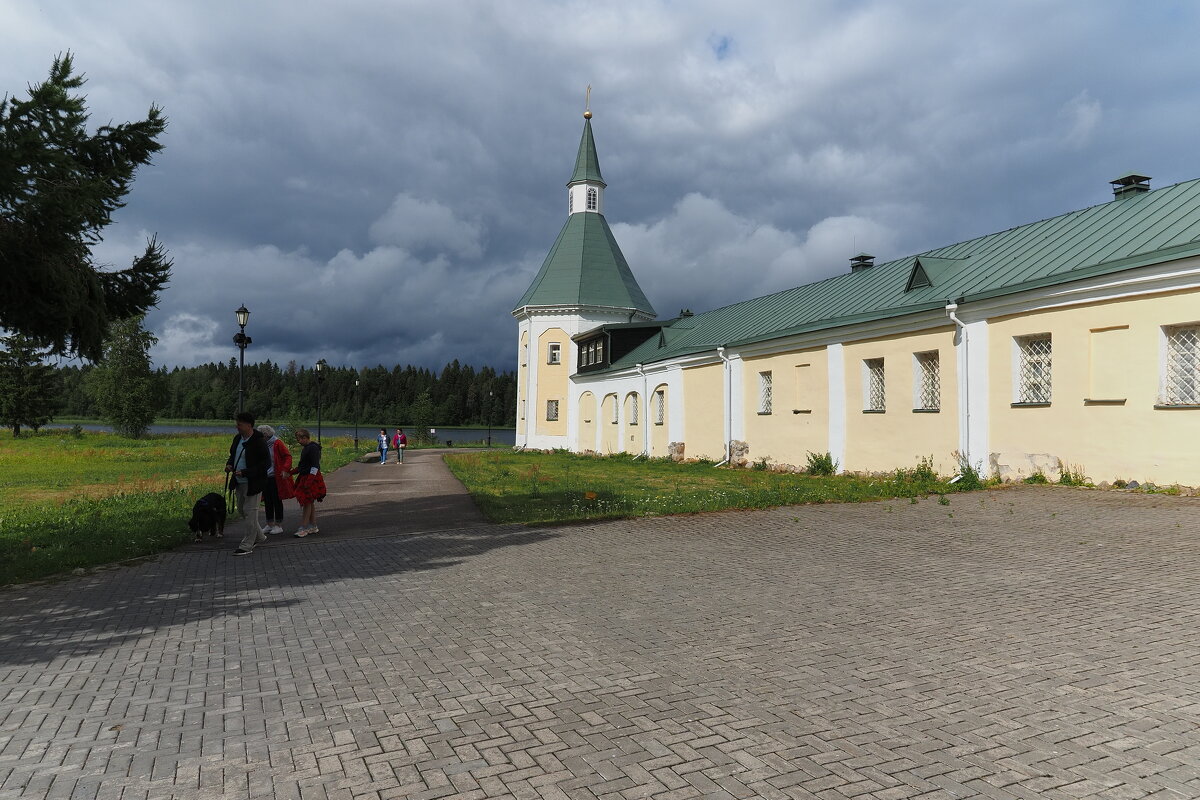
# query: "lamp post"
[320,377]
[489,416]
[241,340]
[357,402]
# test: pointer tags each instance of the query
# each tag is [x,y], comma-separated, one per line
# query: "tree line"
[408,395]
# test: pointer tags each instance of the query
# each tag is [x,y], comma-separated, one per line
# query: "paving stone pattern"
[1023,643]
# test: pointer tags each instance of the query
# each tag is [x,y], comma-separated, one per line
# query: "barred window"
[554,353]
[1034,380]
[592,196]
[660,407]
[929,381]
[1181,373]
[764,392]
[633,409]
[570,203]
[616,415]
[873,396]
[551,410]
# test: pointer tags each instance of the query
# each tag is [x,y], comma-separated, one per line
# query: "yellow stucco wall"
[587,421]
[551,383]
[799,382]
[609,431]
[899,437]
[1109,348]
[704,394]
[659,438]
[634,433]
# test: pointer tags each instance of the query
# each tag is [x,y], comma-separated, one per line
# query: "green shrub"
[1036,477]
[822,464]
[924,471]
[1072,475]
[968,474]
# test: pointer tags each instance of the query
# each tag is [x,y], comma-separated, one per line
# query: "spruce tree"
[29,387]
[59,187]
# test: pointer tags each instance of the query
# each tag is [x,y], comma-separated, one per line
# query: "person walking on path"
[310,483]
[247,468]
[383,446]
[279,480]
[400,442]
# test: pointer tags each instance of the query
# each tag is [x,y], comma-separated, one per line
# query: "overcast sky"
[379,181]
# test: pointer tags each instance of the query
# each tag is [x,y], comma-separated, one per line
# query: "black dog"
[208,516]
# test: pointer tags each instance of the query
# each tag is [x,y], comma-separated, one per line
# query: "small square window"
[1034,369]
[764,392]
[1181,371]
[873,387]
[928,381]
[554,353]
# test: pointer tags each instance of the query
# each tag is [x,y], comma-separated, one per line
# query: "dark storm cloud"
[378,183]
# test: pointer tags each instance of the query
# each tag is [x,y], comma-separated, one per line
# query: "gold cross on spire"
[587,106]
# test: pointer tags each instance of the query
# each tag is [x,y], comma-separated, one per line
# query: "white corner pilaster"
[835,358]
[973,390]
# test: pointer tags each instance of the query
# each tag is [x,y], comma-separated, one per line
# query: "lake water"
[366,434]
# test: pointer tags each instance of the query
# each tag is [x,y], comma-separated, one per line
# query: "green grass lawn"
[70,502]
[539,488]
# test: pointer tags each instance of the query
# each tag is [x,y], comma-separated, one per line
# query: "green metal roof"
[1125,233]
[585,267]
[587,163]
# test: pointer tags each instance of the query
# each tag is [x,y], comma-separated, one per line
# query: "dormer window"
[592,198]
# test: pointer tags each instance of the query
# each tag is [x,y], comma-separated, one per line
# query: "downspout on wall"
[966,379]
[645,414]
[728,403]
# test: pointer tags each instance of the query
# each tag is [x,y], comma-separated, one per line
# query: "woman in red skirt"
[310,484]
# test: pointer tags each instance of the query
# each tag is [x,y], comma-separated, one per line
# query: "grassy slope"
[68,502]
[561,487]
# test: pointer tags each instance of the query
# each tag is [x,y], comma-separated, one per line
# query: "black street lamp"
[320,377]
[357,402]
[242,341]
[489,416]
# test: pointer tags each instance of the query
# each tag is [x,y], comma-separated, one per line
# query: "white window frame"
[660,406]
[927,381]
[1033,369]
[765,381]
[1179,382]
[593,198]
[552,411]
[553,353]
[874,385]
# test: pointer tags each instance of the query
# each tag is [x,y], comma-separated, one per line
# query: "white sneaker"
[301,532]
[267,529]
[276,529]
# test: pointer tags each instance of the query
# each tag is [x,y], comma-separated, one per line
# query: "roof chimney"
[862,261]
[1129,185]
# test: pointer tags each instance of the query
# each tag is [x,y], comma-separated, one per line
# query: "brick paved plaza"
[1030,642]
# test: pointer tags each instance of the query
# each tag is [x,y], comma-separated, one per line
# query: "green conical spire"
[587,164]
